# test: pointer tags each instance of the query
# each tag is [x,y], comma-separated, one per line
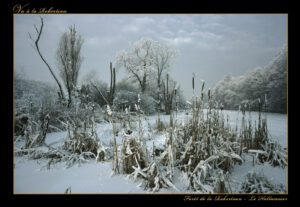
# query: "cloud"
[206,35]
[181,40]
[169,20]
[137,25]
[167,33]
[144,20]
[198,39]
[92,40]
[131,28]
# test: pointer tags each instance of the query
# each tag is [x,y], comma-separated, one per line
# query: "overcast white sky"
[211,46]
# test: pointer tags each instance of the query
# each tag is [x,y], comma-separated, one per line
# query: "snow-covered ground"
[32,176]
[92,177]
[276,175]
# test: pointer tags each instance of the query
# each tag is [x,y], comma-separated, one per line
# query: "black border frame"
[124,7]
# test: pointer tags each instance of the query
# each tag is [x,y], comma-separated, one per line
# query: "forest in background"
[269,82]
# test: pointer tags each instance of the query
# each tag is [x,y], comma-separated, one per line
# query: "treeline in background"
[260,84]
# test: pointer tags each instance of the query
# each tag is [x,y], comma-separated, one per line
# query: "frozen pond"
[277,123]
[277,126]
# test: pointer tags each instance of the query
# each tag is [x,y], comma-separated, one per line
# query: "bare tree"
[137,61]
[161,56]
[36,43]
[69,59]
[148,57]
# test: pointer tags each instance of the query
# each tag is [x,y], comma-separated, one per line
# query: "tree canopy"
[267,84]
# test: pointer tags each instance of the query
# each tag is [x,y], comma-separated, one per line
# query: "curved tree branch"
[36,42]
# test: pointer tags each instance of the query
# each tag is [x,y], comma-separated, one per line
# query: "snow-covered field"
[32,176]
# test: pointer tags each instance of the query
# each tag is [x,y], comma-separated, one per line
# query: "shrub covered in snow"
[128,99]
[31,98]
[133,155]
[80,142]
[259,183]
[276,156]
[258,141]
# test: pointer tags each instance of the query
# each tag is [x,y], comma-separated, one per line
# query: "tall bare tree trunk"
[112,88]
